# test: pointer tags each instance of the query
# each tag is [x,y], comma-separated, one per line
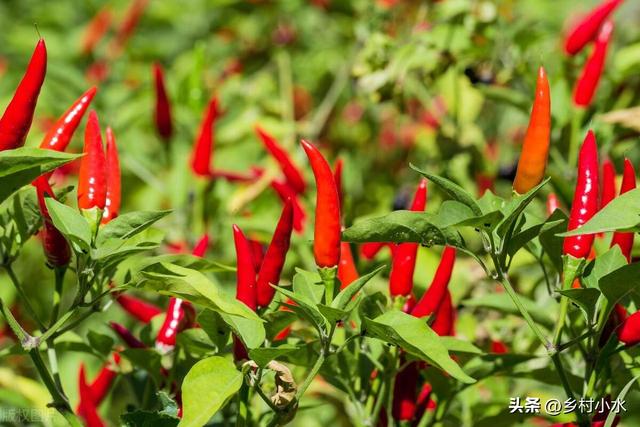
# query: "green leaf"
[551,243]
[452,189]
[207,387]
[620,283]
[100,342]
[516,206]
[21,166]
[503,303]
[345,295]
[621,214]
[148,419]
[308,285]
[250,332]
[214,326]
[415,337]
[129,224]
[455,345]
[403,226]
[333,315]
[70,223]
[262,356]
[277,320]
[306,307]
[585,298]
[623,393]
[604,264]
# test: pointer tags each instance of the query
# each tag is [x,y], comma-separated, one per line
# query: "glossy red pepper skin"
[87,409]
[291,172]
[125,335]
[629,331]
[403,262]
[141,310]
[200,249]
[590,78]
[625,240]
[56,248]
[103,381]
[404,392]
[287,193]
[180,316]
[246,274]
[587,28]
[92,179]
[163,120]
[112,201]
[203,149]
[434,297]
[59,136]
[275,257]
[347,271]
[443,323]
[326,242]
[608,183]
[337,176]
[16,120]
[585,199]
[369,250]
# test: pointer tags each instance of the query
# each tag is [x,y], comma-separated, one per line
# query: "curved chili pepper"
[291,172]
[535,149]
[164,123]
[257,253]
[141,310]
[629,331]
[125,335]
[287,193]
[103,381]
[403,261]
[425,402]
[112,201]
[347,271]
[625,240]
[59,136]
[200,249]
[56,248]
[552,204]
[587,28]
[271,268]
[16,120]
[92,179]
[96,29]
[326,242]
[585,199]
[434,297]
[369,250]
[180,316]
[443,323]
[592,72]
[337,176]
[203,149]
[608,183]
[246,274]
[87,409]
[404,392]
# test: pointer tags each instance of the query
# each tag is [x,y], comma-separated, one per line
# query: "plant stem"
[57,296]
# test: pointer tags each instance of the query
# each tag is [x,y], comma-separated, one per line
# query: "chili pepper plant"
[318,212]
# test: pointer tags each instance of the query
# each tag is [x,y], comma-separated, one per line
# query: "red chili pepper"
[625,240]
[585,199]
[96,29]
[17,118]
[86,408]
[498,347]
[629,331]
[616,318]
[347,271]
[434,297]
[56,248]
[141,310]
[291,172]
[590,78]
[126,336]
[552,203]
[271,268]
[246,274]
[257,253]
[337,176]
[403,261]
[587,28]
[443,324]
[608,183]
[92,180]
[425,402]
[369,250]
[287,193]
[233,176]
[164,124]
[60,134]
[103,381]
[200,249]
[128,26]
[203,149]
[326,242]
[404,392]
[112,203]
[180,316]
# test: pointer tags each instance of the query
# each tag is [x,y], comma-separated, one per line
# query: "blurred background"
[380,84]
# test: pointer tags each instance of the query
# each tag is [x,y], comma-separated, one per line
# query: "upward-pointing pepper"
[112,201]
[92,180]
[291,172]
[585,199]
[535,149]
[625,240]
[164,124]
[59,136]
[590,78]
[203,149]
[16,120]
